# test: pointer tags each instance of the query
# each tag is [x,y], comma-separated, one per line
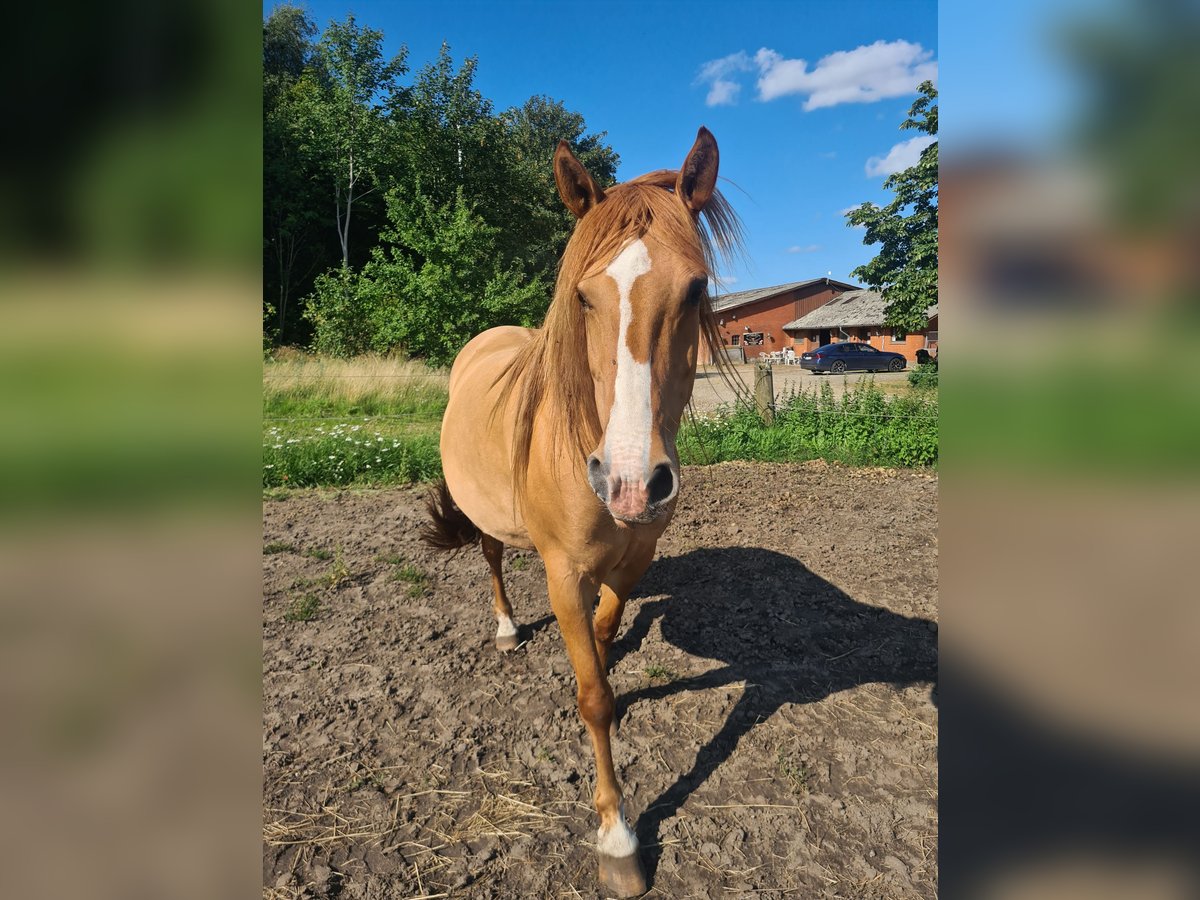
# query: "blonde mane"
[551,371]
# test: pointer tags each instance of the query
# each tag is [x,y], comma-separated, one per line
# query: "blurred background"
[130,448]
[130,478]
[1069,267]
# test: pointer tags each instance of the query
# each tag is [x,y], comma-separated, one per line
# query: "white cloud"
[863,75]
[723,93]
[726,65]
[902,156]
[806,248]
[722,90]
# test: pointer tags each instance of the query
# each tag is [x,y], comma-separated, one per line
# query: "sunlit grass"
[368,420]
[862,427]
[301,385]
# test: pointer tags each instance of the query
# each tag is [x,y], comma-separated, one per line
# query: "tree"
[906,268]
[534,130]
[434,282]
[352,87]
[292,208]
[407,175]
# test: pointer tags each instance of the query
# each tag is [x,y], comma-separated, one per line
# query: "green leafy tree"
[351,88]
[434,283]
[905,269]
[292,195]
[446,214]
[534,130]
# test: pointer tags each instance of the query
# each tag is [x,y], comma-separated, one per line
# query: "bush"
[924,376]
[863,427]
[434,283]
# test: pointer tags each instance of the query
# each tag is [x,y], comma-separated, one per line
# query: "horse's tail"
[448,527]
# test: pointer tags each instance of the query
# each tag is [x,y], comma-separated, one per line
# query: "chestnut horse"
[562,439]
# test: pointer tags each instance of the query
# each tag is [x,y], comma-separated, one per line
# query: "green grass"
[278,547]
[318,553]
[793,771]
[303,609]
[863,427]
[303,386]
[374,422]
[344,453]
[417,581]
[366,421]
[661,672]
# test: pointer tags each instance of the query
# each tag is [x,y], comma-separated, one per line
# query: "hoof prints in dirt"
[773,677]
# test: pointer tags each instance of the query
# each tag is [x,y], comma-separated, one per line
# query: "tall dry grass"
[299,384]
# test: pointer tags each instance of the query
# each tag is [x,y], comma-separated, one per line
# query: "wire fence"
[783,399]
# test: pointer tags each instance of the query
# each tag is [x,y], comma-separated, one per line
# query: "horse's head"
[642,271]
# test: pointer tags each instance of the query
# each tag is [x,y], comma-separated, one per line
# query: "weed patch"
[303,609]
[662,673]
[863,427]
[417,581]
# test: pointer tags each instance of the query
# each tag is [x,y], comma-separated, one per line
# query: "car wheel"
[838,367]
[896,365]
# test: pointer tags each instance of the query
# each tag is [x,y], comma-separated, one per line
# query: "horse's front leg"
[571,595]
[613,594]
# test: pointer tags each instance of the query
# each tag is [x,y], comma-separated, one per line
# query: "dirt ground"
[775,675]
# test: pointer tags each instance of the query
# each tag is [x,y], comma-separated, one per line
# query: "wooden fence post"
[764,392]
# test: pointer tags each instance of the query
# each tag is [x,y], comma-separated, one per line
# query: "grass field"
[370,420]
[375,421]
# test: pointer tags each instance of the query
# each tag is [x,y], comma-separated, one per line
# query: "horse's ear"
[698,175]
[576,186]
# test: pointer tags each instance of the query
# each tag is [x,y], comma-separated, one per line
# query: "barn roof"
[851,309]
[741,298]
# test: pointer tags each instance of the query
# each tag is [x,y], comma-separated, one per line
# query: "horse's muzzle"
[637,499]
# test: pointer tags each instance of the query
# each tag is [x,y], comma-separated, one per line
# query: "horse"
[562,439]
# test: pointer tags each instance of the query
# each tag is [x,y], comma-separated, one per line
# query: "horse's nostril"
[597,477]
[661,484]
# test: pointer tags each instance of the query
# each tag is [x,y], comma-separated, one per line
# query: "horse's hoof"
[622,876]
[506,642]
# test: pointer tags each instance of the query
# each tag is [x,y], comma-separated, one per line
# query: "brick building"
[752,322]
[858,316]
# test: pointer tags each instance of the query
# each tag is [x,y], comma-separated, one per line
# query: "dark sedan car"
[844,357]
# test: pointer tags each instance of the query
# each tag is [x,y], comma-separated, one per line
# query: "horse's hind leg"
[506,630]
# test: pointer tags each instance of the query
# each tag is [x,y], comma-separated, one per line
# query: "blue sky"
[795,147]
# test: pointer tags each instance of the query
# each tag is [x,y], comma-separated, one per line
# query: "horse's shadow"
[789,634]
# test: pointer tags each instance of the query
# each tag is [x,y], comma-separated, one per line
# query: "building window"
[899,335]
[753,338]
[736,339]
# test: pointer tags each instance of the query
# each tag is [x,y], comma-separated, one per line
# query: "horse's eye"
[583,300]
[696,293]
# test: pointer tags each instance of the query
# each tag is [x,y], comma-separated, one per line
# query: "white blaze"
[627,436]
